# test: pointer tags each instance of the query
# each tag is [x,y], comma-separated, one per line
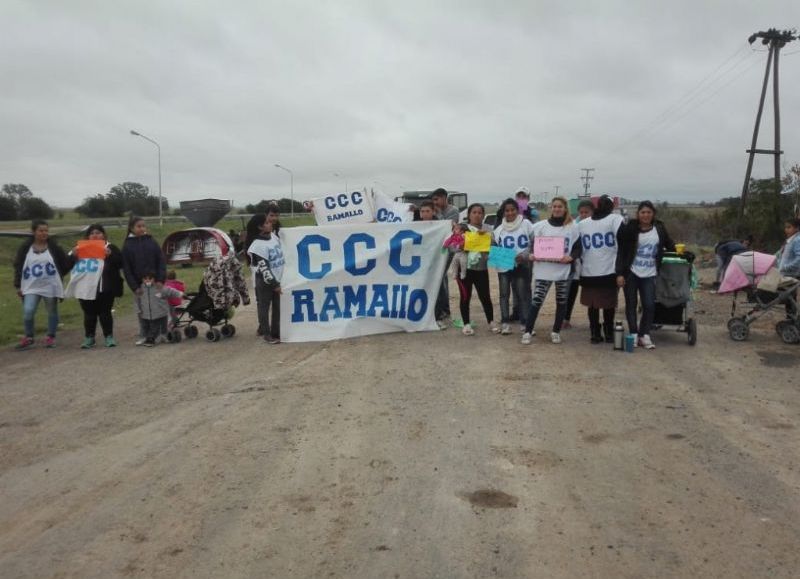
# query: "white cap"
[523,190]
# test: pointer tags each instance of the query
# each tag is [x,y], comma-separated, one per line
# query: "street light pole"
[291,184]
[160,202]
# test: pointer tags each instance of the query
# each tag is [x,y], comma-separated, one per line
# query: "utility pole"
[586,178]
[775,39]
[556,187]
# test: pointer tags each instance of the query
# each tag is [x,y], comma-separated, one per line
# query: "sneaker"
[555,337]
[273,341]
[646,343]
[493,327]
[467,330]
[505,329]
[526,339]
[162,339]
[111,342]
[88,342]
[49,342]
[24,343]
[149,343]
[566,325]
[140,341]
[442,324]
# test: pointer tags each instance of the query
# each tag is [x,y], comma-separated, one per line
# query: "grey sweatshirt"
[152,304]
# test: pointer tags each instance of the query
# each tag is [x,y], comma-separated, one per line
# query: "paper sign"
[548,248]
[474,241]
[502,258]
[355,207]
[92,249]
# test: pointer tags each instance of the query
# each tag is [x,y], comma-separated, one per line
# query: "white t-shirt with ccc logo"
[518,239]
[599,241]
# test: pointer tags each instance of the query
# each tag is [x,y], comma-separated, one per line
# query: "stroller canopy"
[745,269]
[197,245]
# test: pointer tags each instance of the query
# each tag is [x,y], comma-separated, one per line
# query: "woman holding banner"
[38,268]
[598,267]
[514,233]
[96,287]
[470,271]
[553,243]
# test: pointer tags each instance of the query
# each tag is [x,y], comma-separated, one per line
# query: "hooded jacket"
[141,255]
[152,304]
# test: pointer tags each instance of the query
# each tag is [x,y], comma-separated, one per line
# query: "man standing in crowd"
[443,209]
[444,212]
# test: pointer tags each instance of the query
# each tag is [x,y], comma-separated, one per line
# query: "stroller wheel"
[691,329]
[190,332]
[228,330]
[174,336]
[789,333]
[738,329]
[213,335]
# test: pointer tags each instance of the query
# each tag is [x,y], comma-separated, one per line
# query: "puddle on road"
[778,359]
[490,499]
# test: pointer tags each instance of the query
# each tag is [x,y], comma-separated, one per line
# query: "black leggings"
[573,295]
[98,308]
[540,289]
[479,279]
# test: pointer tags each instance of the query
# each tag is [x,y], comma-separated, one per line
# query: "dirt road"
[408,456]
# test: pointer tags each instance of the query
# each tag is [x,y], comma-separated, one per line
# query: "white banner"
[389,211]
[341,208]
[356,280]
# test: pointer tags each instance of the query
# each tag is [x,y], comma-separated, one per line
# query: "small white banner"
[356,280]
[390,211]
[355,207]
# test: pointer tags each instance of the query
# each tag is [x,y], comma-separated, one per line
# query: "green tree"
[17,191]
[34,208]
[764,214]
[128,197]
[8,208]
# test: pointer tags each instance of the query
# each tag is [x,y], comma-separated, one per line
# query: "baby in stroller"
[222,290]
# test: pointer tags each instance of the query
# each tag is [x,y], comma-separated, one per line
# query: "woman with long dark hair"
[474,274]
[598,268]
[642,242]
[141,255]
[514,232]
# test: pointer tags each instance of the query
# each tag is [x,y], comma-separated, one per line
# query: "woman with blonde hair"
[549,270]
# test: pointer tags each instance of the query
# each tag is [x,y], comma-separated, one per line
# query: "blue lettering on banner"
[385,216]
[340,301]
[304,258]
[396,248]
[343,201]
[350,254]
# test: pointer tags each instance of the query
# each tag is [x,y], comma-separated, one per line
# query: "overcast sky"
[481,97]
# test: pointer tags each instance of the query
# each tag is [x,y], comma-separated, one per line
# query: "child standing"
[176,284]
[152,307]
[267,261]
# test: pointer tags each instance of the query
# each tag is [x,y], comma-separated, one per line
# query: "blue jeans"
[645,287]
[518,281]
[30,302]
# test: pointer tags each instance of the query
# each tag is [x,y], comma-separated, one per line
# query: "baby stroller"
[674,294]
[223,288]
[755,275]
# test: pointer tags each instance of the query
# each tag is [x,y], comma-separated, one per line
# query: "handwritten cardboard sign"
[502,258]
[475,241]
[548,248]
[91,249]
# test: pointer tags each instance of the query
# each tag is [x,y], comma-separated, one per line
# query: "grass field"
[69,310]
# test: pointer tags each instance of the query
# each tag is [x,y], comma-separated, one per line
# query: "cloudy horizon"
[472,96]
